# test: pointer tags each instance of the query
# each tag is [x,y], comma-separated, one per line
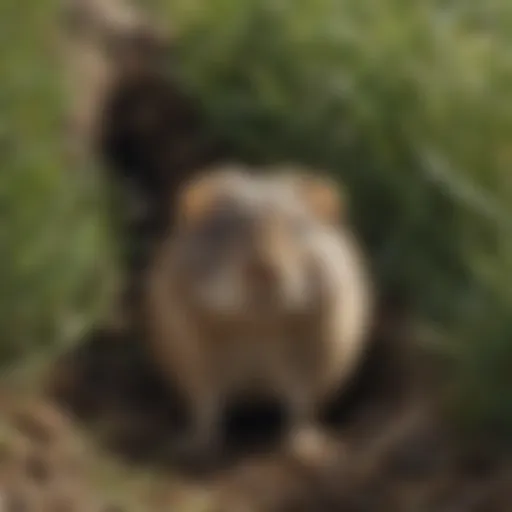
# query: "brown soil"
[43,465]
[386,447]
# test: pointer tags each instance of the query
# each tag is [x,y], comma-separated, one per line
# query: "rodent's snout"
[264,255]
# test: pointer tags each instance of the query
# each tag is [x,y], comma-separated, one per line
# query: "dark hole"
[253,423]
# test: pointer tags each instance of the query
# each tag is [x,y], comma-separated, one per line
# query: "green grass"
[54,251]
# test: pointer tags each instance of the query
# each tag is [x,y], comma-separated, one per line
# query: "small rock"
[314,448]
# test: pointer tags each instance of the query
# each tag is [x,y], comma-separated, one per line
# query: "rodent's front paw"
[310,445]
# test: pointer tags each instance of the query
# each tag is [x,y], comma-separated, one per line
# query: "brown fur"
[299,341]
[324,198]
[197,196]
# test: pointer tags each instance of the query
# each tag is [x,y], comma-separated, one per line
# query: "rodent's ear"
[196,197]
[322,195]
[324,198]
[195,200]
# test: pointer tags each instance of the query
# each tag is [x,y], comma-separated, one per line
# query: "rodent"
[261,288]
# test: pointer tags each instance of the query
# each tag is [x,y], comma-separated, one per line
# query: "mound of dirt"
[43,463]
[410,464]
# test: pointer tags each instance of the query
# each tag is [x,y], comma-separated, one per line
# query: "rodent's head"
[244,239]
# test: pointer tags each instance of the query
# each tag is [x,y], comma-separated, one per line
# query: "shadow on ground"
[108,382]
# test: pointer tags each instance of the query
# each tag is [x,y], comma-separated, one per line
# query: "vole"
[260,289]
